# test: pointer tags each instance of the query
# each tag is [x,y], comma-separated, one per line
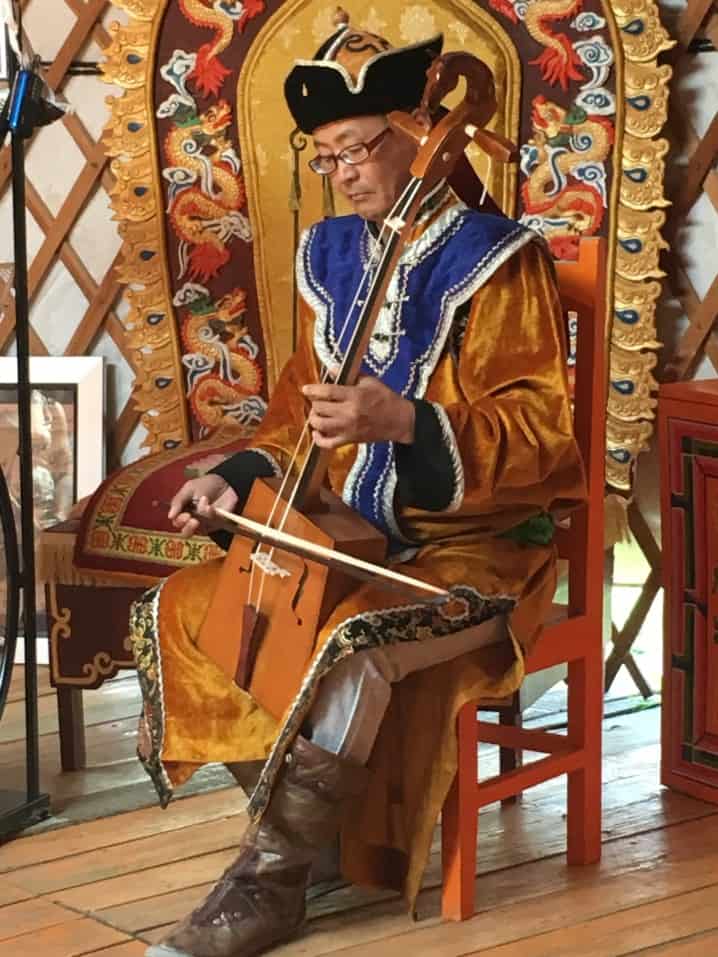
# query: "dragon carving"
[206,191]
[564,193]
[222,16]
[559,61]
[220,356]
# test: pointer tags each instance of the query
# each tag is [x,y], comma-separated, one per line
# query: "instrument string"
[381,250]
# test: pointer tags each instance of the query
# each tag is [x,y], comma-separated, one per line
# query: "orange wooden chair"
[574,635]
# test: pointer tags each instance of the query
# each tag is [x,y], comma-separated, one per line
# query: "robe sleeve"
[424,468]
[508,426]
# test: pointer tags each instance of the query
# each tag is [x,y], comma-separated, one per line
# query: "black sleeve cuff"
[424,469]
[239,471]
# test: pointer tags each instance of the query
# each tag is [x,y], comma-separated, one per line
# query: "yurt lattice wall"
[75,295]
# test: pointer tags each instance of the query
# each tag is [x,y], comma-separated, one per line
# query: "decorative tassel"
[328,209]
[298,143]
[616,526]
[295,190]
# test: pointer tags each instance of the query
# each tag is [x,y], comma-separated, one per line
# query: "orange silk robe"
[507,401]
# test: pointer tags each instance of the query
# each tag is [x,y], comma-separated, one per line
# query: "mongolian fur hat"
[356,73]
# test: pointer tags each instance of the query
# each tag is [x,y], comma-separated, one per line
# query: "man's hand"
[192,508]
[366,412]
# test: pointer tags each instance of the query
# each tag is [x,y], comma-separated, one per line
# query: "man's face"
[373,186]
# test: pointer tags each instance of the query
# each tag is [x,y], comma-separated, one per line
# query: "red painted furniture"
[572,636]
[688,436]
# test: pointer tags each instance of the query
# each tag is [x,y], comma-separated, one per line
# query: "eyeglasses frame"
[370,146]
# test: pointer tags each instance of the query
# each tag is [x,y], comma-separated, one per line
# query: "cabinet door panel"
[690,522]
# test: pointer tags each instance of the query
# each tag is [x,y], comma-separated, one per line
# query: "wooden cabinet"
[688,434]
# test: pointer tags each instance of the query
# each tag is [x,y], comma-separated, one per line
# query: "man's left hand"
[366,412]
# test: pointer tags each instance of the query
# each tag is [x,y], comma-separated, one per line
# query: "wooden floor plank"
[134,948]
[73,939]
[17,683]
[31,915]
[156,880]
[115,700]
[697,945]
[109,742]
[81,838]
[10,894]
[623,932]
[535,829]
[156,934]
[132,857]
[150,912]
[134,875]
[529,900]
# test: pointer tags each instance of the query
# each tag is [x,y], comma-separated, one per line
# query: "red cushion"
[124,527]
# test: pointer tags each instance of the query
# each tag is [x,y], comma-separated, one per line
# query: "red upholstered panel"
[124,527]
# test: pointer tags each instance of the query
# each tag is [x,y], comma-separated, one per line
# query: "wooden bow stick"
[356,567]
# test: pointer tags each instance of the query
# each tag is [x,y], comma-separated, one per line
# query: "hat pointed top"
[340,18]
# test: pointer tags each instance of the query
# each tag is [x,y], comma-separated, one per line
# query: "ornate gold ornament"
[642,34]
[624,443]
[634,314]
[632,384]
[642,170]
[646,98]
[638,238]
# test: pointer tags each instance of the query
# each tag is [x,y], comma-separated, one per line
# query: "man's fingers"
[325,391]
[324,408]
[179,503]
[325,441]
[324,423]
[204,509]
[190,528]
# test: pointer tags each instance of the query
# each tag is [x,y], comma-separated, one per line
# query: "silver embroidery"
[276,467]
[438,233]
[456,463]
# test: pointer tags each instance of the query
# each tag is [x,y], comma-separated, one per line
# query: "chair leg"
[459,825]
[510,759]
[585,711]
[71,722]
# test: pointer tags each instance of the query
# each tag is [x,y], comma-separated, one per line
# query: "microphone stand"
[18,809]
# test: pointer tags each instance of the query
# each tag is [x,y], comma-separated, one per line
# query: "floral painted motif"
[416,24]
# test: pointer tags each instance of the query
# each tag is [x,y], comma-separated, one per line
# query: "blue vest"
[441,270]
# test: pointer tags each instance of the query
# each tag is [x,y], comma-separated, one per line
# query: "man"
[457,444]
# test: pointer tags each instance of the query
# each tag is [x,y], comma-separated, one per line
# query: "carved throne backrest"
[213,189]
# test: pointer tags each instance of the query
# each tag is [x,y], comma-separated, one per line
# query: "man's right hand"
[192,508]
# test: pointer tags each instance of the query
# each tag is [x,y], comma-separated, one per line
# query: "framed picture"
[67,416]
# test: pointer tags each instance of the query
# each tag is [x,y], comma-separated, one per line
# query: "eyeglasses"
[325,164]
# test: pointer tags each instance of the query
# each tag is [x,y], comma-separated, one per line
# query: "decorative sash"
[456,254]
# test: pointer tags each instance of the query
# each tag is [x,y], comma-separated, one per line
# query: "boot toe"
[164,950]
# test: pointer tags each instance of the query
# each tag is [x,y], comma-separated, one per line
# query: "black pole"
[24,399]
[36,805]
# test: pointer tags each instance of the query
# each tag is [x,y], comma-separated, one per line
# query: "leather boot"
[325,875]
[246,774]
[259,901]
